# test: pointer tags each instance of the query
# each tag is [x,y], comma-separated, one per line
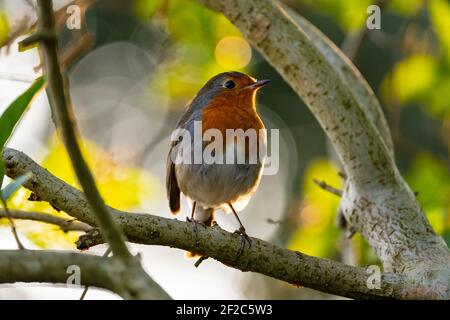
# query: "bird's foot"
[195,223]
[244,239]
[214,224]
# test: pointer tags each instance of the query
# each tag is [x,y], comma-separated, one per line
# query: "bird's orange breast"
[231,112]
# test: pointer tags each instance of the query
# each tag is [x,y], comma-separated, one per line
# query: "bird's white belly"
[213,185]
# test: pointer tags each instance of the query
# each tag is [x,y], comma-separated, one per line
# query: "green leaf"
[11,188]
[2,169]
[411,78]
[12,115]
[145,9]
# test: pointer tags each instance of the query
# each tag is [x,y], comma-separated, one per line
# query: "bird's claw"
[195,223]
[244,238]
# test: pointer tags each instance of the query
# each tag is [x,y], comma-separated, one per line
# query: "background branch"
[327,187]
[8,215]
[65,224]
[52,267]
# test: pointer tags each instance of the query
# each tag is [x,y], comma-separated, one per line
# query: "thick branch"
[263,257]
[65,224]
[53,267]
[351,76]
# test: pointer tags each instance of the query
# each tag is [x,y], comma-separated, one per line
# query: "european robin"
[226,101]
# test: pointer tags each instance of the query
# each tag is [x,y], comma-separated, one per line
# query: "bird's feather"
[172,188]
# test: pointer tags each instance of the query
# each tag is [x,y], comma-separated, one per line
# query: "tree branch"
[65,224]
[327,187]
[283,264]
[351,76]
[8,215]
[52,267]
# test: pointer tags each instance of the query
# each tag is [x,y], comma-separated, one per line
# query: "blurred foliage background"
[161,52]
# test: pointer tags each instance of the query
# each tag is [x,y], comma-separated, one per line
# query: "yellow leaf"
[122,186]
[317,233]
[411,78]
[144,9]
[353,14]
[440,17]
[4,28]
[202,49]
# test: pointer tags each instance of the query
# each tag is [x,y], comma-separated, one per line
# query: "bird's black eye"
[229,84]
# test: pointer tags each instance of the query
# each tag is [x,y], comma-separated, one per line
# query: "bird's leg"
[192,219]
[192,212]
[241,231]
[195,223]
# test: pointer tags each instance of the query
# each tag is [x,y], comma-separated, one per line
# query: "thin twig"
[12,224]
[342,175]
[328,188]
[142,285]
[65,224]
[200,260]
[86,288]
[61,109]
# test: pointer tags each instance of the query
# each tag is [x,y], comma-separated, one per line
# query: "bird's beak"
[258,84]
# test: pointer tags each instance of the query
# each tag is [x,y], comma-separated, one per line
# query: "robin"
[226,101]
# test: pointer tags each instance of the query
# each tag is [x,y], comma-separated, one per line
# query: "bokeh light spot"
[233,53]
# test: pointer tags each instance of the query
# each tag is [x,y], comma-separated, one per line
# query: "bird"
[226,101]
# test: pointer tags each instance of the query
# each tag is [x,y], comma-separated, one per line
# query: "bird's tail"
[205,216]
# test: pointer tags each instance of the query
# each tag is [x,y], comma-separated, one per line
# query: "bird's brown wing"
[172,188]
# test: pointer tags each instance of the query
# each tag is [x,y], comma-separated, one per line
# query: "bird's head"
[229,87]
